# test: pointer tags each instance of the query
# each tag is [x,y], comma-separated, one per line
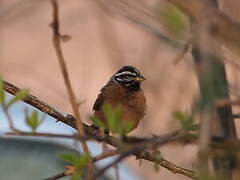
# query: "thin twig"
[69,171]
[71,95]
[95,159]
[62,64]
[8,117]
[105,155]
[49,135]
[236,116]
[139,151]
[57,176]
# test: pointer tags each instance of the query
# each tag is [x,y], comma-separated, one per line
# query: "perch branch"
[53,112]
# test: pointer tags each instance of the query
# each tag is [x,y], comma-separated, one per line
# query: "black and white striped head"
[129,77]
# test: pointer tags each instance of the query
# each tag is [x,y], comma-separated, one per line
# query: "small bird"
[123,90]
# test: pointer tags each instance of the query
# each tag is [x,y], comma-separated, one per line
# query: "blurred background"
[104,37]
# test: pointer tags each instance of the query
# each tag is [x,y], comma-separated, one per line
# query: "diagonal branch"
[64,118]
[57,176]
[139,151]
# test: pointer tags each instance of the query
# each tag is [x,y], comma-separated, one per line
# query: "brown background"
[100,44]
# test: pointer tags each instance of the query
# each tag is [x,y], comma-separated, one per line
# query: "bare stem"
[106,155]
[57,176]
[9,118]
[49,135]
[62,64]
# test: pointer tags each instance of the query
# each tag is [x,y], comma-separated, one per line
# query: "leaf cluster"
[174,20]
[20,95]
[78,161]
[113,121]
[33,120]
[186,120]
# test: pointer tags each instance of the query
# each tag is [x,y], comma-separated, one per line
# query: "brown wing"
[100,99]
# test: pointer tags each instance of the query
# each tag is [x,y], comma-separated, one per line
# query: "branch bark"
[62,64]
[71,95]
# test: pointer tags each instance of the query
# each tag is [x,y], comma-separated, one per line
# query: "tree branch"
[49,135]
[57,176]
[62,64]
[139,151]
[71,95]
[64,118]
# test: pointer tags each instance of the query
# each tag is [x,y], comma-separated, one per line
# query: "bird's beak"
[140,79]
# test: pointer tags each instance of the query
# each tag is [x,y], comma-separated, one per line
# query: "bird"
[123,90]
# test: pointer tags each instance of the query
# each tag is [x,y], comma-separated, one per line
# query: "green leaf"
[82,161]
[114,122]
[69,158]
[185,120]
[158,156]
[77,160]
[125,127]
[156,167]
[19,96]
[2,93]
[77,175]
[174,20]
[112,116]
[33,121]
[97,122]
[180,115]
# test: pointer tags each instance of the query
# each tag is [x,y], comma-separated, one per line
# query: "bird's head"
[128,77]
